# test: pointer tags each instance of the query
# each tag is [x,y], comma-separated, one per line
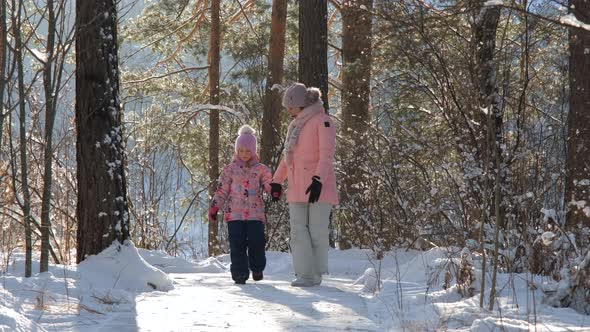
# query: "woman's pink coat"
[312,155]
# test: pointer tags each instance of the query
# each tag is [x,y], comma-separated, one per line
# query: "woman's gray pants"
[309,238]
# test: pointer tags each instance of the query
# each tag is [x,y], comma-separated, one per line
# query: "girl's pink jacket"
[239,192]
[312,155]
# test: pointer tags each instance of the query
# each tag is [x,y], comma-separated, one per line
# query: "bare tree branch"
[183,70]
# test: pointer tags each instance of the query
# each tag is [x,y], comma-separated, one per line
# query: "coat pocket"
[309,168]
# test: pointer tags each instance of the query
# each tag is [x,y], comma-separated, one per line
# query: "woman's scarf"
[297,124]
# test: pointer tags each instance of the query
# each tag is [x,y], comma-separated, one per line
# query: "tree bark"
[102,210]
[356,92]
[313,46]
[26,206]
[577,188]
[485,26]
[214,73]
[271,120]
[50,110]
[3,60]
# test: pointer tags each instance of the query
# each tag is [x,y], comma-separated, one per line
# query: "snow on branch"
[493,3]
[41,56]
[572,21]
[202,107]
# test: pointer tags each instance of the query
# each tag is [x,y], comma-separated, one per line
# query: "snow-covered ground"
[126,289]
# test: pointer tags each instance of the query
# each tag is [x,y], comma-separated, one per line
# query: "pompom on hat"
[298,95]
[246,139]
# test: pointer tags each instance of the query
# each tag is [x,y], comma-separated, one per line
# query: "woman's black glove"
[314,189]
[275,192]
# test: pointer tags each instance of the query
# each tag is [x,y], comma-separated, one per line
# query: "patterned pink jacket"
[239,192]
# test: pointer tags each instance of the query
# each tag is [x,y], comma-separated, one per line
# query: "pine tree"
[356,91]
[313,45]
[271,124]
[102,210]
[577,192]
[214,56]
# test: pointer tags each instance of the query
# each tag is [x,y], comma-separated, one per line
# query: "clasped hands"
[276,191]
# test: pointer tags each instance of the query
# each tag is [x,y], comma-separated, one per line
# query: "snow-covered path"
[211,302]
[112,292]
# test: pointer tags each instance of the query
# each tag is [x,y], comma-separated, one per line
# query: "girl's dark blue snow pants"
[246,245]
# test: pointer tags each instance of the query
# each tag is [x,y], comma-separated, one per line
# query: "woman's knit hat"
[297,95]
[246,139]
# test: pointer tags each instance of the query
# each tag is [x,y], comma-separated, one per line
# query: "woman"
[308,166]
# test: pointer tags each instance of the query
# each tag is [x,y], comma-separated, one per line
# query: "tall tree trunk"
[214,58]
[50,110]
[271,121]
[313,45]
[577,188]
[102,211]
[485,26]
[26,206]
[3,60]
[356,91]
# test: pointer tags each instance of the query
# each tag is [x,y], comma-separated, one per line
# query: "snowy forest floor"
[111,292]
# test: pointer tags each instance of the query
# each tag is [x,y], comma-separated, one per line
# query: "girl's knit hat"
[297,95]
[246,139]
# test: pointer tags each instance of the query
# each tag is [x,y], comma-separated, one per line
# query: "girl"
[308,166]
[240,191]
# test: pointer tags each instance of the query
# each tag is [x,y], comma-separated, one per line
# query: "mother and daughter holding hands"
[308,167]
